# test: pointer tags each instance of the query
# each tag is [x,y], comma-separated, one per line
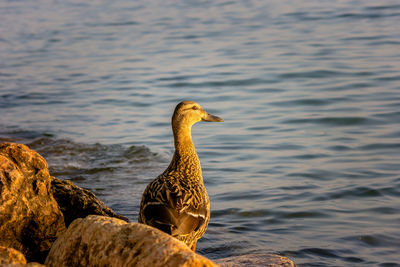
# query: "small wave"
[348,86]
[3,74]
[354,193]
[383,7]
[388,78]
[309,156]
[316,253]
[373,12]
[240,213]
[375,240]
[315,174]
[305,214]
[69,159]
[332,121]
[320,252]
[246,195]
[88,81]
[339,148]
[386,42]
[139,153]
[322,74]
[385,210]
[178,78]
[329,253]
[366,38]
[73,165]
[367,15]
[113,24]
[99,170]
[244,82]
[380,146]
[112,102]
[20,135]
[311,74]
[306,102]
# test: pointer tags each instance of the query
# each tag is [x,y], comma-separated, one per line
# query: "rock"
[30,219]
[256,260]
[76,202]
[11,256]
[104,241]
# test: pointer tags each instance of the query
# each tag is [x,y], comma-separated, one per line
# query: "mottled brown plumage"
[176,202]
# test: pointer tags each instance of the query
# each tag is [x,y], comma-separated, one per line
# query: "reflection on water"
[306,163]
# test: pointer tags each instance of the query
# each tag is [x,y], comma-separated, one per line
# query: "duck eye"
[195,108]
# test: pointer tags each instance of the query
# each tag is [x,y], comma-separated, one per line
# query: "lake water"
[307,162]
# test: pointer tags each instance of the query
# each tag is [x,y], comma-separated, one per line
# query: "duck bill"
[210,117]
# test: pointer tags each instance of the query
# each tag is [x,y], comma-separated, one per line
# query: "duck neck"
[185,158]
[183,140]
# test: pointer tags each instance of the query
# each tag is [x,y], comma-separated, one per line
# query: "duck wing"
[174,210]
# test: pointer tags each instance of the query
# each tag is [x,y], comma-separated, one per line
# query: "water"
[307,162]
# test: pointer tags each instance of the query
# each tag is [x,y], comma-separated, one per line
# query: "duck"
[176,202]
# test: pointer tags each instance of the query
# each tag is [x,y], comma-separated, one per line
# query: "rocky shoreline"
[44,220]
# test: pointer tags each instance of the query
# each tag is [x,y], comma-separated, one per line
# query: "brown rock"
[256,260]
[76,202]
[11,256]
[104,241]
[30,219]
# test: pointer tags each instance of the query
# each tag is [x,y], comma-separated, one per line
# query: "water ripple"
[333,121]
[230,83]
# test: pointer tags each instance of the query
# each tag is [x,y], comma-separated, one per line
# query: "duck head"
[188,113]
